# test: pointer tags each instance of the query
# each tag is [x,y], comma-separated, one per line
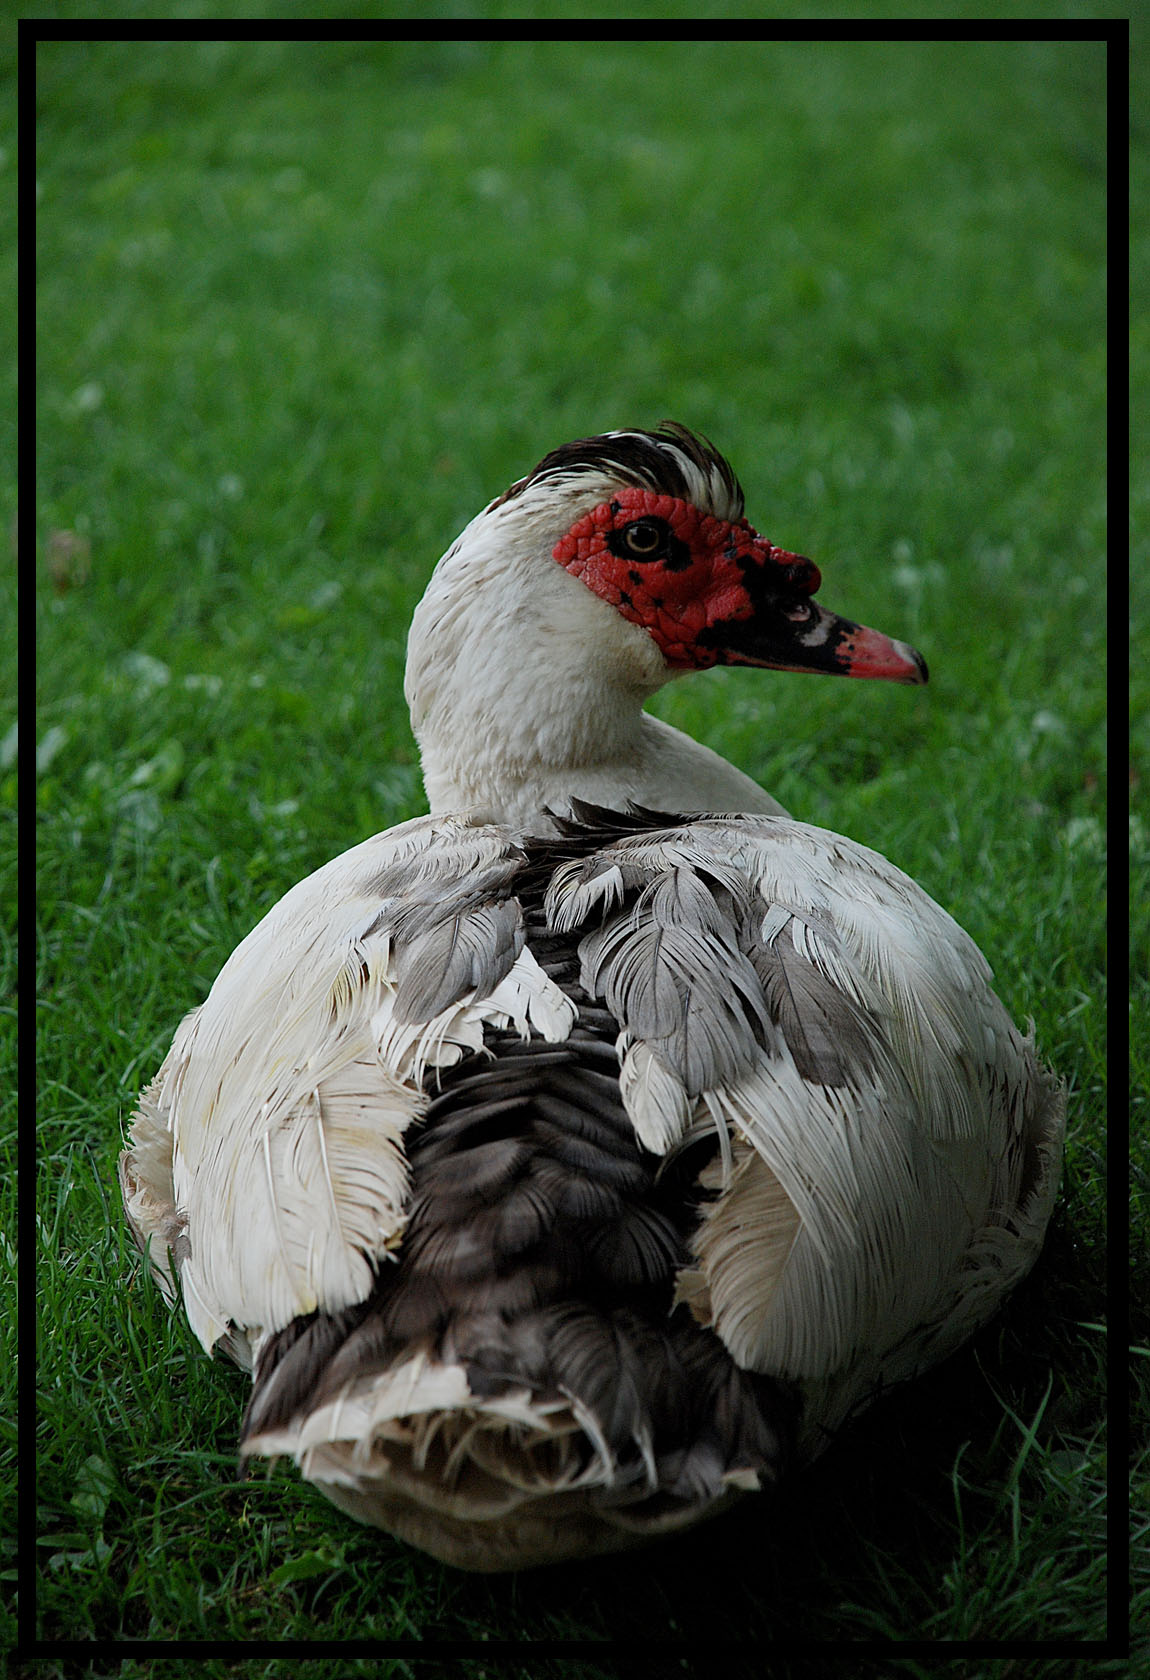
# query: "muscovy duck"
[573,1160]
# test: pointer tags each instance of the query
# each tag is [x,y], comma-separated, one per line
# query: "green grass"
[632,10]
[302,310]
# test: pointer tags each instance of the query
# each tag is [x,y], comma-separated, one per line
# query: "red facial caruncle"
[679,572]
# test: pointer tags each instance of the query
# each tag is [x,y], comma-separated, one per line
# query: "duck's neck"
[527,691]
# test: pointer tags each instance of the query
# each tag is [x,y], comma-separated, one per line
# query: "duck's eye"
[644,538]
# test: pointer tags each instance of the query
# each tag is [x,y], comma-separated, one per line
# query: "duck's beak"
[794,633]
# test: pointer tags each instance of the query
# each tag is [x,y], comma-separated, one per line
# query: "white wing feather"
[865,1217]
[271,1143]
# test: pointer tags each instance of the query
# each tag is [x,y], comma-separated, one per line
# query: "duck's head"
[670,549]
[513,648]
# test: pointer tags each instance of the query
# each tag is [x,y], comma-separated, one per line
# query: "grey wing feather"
[670,969]
[444,950]
[831,1037]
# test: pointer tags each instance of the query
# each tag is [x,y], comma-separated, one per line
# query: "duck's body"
[563,1170]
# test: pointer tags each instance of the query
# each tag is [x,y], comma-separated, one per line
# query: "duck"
[582,1157]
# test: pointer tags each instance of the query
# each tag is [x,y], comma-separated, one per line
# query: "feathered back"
[614,1135]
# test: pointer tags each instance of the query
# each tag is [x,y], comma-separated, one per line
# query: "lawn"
[303,309]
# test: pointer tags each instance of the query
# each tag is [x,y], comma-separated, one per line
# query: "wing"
[265,1162]
[889,1144]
